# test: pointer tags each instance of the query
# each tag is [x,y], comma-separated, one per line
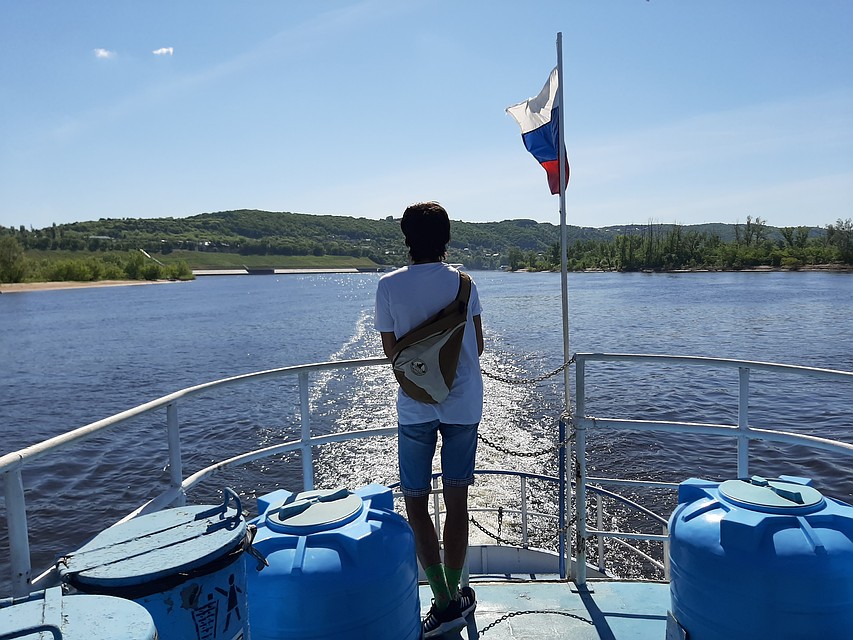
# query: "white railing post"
[580,475]
[19,539]
[564,504]
[580,497]
[305,420]
[599,508]
[176,465]
[524,512]
[743,423]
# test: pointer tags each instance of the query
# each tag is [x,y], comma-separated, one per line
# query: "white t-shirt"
[407,297]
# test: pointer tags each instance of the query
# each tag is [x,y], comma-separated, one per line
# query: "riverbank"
[826,268]
[21,287]
[16,287]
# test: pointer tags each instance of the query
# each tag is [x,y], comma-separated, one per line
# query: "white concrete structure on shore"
[246,272]
[220,272]
[351,270]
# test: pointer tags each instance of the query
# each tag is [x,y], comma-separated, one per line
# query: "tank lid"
[158,545]
[313,511]
[774,495]
[51,614]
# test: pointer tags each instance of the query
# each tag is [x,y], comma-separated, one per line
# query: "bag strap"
[464,293]
[442,320]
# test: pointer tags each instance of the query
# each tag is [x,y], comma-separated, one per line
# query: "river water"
[68,358]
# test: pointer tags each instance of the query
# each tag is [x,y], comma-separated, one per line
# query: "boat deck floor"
[540,610]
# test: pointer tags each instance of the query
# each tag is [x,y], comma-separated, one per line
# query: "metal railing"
[742,432]
[12,465]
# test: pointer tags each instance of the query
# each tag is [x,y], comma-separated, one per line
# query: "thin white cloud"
[104,53]
[164,51]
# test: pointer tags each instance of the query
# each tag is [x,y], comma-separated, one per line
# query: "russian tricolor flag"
[540,129]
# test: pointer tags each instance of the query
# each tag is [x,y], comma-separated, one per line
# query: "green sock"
[452,576]
[438,584]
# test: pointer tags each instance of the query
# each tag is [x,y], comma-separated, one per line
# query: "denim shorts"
[416,446]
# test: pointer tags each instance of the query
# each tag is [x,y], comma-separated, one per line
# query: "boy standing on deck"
[404,299]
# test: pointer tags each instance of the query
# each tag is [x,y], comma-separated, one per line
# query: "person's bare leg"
[455,534]
[426,539]
[426,547]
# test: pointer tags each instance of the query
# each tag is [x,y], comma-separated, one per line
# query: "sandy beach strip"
[20,287]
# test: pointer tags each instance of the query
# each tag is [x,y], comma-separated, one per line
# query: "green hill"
[253,238]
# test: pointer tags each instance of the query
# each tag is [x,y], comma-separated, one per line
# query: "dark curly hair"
[426,227]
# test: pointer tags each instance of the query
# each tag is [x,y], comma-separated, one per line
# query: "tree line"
[109,248]
[250,232]
[673,247]
[16,266]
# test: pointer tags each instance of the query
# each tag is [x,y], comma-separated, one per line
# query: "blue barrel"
[758,558]
[184,565]
[50,615]
[341,565]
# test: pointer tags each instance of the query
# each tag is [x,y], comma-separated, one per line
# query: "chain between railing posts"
[176,468]
[19,540]
[743,423]
[305,420]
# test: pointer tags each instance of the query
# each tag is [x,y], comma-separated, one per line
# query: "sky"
[677,111]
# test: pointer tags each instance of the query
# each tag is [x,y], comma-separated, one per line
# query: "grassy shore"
[39,278]
[217,260]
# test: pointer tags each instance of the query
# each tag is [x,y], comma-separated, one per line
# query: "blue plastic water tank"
[48,615]
[341,565]
[184,565]
[756,558]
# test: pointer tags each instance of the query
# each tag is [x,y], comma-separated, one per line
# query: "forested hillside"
[290,234]
[280,239]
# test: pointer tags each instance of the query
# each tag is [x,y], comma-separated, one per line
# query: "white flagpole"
[575,548]
[564,281]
